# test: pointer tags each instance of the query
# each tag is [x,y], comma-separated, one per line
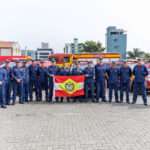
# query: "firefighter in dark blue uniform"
[19,76]
[51,72]
[26,82]
[113,81]
[100,75]
[76,70]
[33,84]
[43,81]
[125,75]
[140,72]
[64,71]
[14,87]
[8,82]
[89,73]
[2,87]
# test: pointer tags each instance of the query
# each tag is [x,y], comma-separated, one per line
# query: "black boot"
[116,101]
[104,100]
[128,101]
[97,100]
[145,104]
[121,100]
[31,99]
[93,100]
[13,103]
[110,101]
[3,106]
[133,102]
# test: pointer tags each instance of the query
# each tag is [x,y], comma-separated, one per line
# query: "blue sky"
[58,21]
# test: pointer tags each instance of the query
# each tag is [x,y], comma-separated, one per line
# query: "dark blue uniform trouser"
[113,87]
[51,88]
[26,91]
[8,92]
[18,87]
[100,89]
[2,95]
[136,90]
[43,86]
[89,86]
[33,84]
[124,87]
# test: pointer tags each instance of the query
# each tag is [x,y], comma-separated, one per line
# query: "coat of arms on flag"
[68,86]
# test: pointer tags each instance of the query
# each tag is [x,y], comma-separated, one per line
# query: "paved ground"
[41,126]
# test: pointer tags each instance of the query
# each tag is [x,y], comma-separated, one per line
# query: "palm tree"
[147,56]
[136,53]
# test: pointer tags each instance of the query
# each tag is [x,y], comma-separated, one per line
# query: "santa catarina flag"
[69,86]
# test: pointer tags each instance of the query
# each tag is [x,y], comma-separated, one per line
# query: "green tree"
[147,56]
[136,53]
[92,47]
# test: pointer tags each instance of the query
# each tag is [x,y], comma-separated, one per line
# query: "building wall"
[16,50]
[116,41]
[44,45]
[42,54]
[31,53]
[9,48]
[5,51]
[73,48]
[67,49]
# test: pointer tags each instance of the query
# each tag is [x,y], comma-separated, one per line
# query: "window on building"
[116,47]
[114,33]
[43,57]
[115,40]
[5,52]
[44,53]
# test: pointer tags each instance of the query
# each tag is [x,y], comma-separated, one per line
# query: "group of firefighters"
[23,79]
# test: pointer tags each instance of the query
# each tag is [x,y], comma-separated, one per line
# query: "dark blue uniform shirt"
[33,70]
[113,74]
[100,72]
[89,72]
[140,72]
[125,74]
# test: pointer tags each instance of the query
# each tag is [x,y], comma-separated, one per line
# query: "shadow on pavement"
[138,106]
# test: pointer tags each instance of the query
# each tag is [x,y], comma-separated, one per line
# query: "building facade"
[31,53]
[73,48]
[9,48]
[43,52]
[116,41]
